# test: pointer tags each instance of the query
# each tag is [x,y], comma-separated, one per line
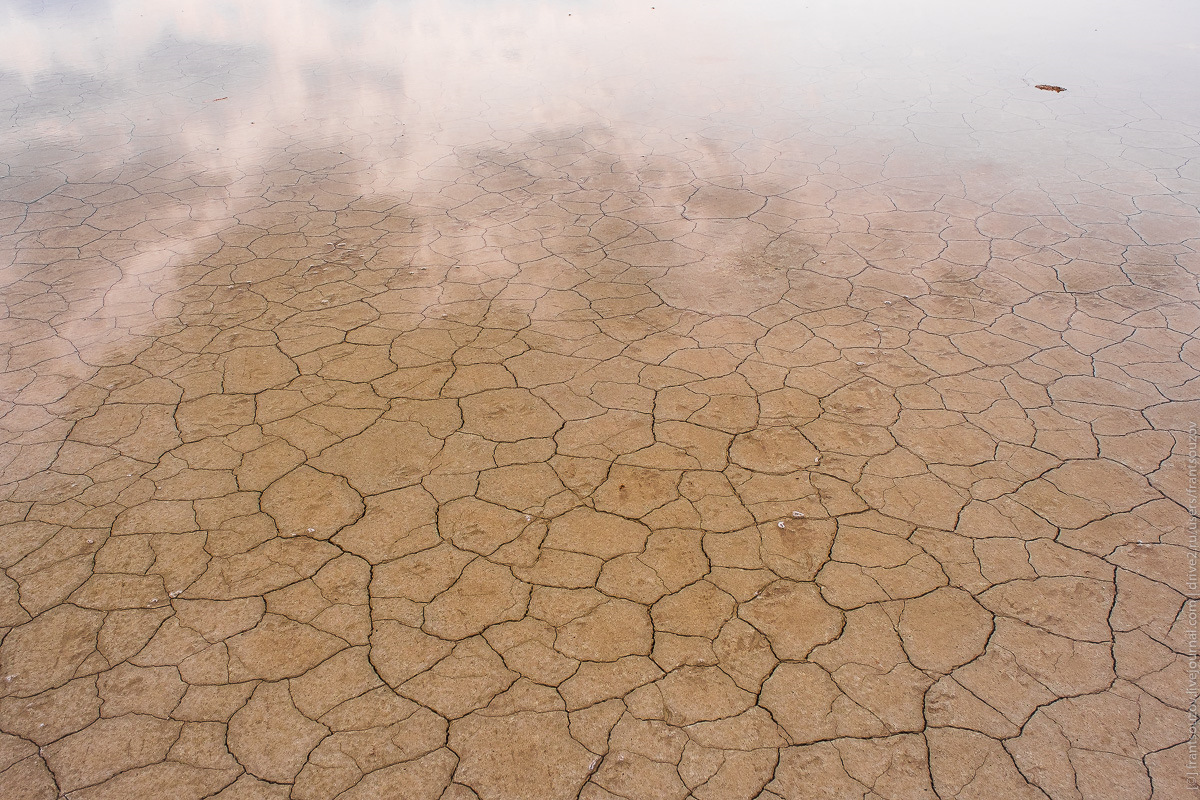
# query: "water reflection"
[551,61]
[390,98]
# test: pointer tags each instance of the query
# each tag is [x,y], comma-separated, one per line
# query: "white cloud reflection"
[459,65]
[216,88]
[571,45]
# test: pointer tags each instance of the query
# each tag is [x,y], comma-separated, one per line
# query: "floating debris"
[1045,87]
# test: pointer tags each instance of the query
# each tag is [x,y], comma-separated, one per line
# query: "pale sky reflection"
[464,45]
[213,74]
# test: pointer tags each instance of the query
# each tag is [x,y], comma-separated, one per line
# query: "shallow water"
[513,399]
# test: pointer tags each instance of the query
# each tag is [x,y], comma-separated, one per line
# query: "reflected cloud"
[404,83]
[516,62]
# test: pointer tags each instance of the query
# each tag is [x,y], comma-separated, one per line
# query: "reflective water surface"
[597,400]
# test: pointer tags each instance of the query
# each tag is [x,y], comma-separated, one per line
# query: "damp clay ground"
[525,401]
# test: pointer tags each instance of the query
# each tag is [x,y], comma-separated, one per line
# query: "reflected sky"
[556,62]
[399,85]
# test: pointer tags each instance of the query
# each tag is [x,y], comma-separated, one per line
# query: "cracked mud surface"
[441,413]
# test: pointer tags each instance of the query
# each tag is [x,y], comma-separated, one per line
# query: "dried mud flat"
[826,435]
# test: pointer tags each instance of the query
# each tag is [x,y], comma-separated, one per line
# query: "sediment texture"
[726,455]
